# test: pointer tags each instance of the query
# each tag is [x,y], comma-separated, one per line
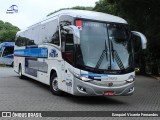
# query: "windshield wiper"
[102,56]
[116,57]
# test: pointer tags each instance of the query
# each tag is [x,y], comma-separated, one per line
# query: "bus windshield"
[105,46]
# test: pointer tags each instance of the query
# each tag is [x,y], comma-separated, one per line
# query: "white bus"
[79,52]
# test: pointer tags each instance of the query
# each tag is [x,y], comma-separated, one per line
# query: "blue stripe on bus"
[32,52]
[93,75]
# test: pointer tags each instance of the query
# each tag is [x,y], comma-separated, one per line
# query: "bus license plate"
[109,93]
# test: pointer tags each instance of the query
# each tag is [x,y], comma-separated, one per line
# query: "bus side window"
[63,39]
[8,51]
[67,46]
[18,41]
[55,32]
[69,43]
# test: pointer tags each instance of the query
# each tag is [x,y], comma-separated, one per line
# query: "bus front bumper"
[82,88]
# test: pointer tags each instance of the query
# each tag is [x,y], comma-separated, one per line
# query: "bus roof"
[7,44]
[89,15]
[82,14]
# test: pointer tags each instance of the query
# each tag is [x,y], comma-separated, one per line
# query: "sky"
[31,11]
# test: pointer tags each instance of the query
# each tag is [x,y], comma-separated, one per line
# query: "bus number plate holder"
[109,93]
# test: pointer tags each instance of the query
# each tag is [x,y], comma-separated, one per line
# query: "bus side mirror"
[142,37]
[75,31]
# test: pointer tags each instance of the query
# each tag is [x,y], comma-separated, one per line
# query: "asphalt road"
[30,95]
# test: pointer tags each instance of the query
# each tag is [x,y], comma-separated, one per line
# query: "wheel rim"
[55,84]
[20,71]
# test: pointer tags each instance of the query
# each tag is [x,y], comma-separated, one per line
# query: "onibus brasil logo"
[12,9]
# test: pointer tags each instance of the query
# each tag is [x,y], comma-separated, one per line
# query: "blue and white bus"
[79,52]
[6,53]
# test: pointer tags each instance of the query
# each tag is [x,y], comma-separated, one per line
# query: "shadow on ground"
[93,100]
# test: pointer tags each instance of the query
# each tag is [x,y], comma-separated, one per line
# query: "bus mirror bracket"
[75,31]
[143,38]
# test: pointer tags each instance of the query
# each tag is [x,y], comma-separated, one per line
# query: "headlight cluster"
[130,79]
[83,78]
[86,79]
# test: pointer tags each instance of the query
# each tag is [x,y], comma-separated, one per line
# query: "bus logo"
[12,9]
[53,53]
[110,84]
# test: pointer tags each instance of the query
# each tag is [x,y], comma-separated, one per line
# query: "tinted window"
[8,51]
[49,32]
[18,41]
[65,20]
[33,36]
[69,42]
[54,30]
[29,37]
[45,33]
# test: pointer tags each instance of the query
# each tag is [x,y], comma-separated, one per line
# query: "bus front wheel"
[54,85]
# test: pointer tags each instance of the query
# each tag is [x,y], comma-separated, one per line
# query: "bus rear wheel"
[21,76]
[54,85]
[12,65]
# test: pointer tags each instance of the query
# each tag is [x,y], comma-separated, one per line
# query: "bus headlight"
[85,79]
[130,79]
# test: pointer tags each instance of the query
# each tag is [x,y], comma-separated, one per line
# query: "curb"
[157,78]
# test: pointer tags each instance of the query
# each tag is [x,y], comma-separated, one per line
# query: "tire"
[21,76]
[12,65]
[54,85]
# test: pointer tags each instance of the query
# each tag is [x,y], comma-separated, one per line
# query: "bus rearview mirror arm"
[75,31]
[143,38]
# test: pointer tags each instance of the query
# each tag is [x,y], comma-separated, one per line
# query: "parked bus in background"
[79,52]
[6,53]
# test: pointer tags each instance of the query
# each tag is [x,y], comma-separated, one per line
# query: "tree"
[7,32]
[105,6]
[144,16]
[82,8]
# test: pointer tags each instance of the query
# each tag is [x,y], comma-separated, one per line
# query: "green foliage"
[7,32]
[106,7]
[82,8]
[148,22]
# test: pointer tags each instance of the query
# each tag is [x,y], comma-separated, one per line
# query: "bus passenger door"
[68,56]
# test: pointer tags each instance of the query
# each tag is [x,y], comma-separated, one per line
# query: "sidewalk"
[156,77]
